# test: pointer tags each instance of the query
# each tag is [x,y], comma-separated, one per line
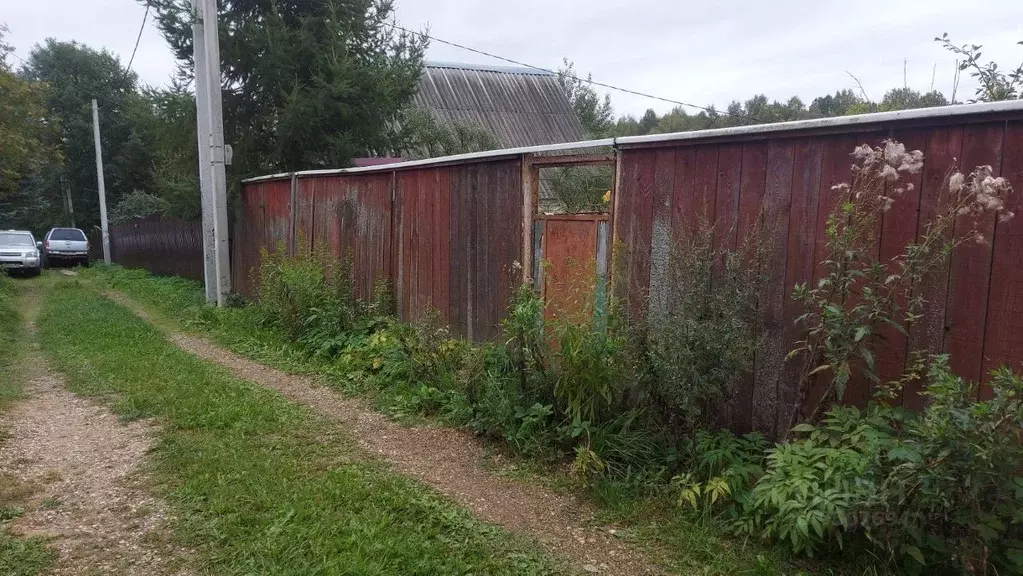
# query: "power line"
[587,80]
[139,37]
[127,69]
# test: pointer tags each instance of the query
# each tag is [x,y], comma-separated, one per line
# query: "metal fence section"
[441,238]
[263,223]
[164,246]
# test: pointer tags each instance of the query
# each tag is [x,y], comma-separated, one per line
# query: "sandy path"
[78,467]
[450,460]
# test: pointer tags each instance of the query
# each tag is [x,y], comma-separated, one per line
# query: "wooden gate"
[571,261]
[571,247]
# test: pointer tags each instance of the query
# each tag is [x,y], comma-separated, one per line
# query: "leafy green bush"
[577,188]
[951,494]
[309,297]
[807,495]
[137,204]
[591,370]
[701,347]
[492,394]
[528,344]
[720,461]
[941,490]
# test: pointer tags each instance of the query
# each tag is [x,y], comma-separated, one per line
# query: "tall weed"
[859,293]
[950,494]
[938,491]
[309,297]
[701,347]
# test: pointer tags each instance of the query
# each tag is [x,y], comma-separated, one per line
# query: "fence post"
[529,187]
[292,207]
[616,183]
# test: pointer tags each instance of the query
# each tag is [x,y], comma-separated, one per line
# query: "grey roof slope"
[521,106]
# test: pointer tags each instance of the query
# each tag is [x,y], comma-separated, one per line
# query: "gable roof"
[520,106]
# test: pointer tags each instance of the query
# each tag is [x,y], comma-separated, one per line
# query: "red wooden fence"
[975,305]
[446,234]
[444,238]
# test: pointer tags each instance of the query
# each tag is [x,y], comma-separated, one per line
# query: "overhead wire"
[127,73]
[548,70]
[137,39]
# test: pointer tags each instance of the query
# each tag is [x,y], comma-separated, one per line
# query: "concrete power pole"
[203,132]
[215,142]
[99,182]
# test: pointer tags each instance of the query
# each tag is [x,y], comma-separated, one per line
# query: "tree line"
[597,114]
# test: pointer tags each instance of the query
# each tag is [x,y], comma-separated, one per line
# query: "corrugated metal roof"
[521,106]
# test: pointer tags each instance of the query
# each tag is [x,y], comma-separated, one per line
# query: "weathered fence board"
[266,210]
[943,147]
[899,228]
[799,260]
[1003,338]
[971,262]
[769,361]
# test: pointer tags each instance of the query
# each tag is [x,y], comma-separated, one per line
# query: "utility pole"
[215,142]
[203,132]
[99,182]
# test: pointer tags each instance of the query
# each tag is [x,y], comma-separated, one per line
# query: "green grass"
[180,303]
[259,484]
[18,556]
[679,541]
[24,557]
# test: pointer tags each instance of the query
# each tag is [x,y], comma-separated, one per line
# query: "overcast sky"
[700,53]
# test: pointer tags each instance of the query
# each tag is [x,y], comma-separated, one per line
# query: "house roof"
[520,106]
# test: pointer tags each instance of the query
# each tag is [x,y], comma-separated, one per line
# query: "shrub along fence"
[457,234]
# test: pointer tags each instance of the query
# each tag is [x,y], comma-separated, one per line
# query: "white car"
[19,252]
[66,245]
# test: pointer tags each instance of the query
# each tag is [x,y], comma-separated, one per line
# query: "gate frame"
[533,233]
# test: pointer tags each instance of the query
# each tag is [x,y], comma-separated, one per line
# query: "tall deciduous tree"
[307,83]
[843,102]
[907,98]
[27,130]
[166,119]
[75,75]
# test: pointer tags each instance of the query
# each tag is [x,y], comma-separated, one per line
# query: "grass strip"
[259,484]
